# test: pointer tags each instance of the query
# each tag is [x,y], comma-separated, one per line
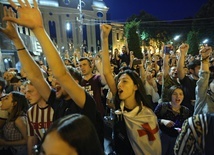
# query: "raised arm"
[33,71]
[99,66]
[202,83]
[31,17]
[166,60]
[183,51]
[105,30]
[205,55]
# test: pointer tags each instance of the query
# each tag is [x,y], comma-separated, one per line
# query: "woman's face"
[54,145]
[177,96]
[7,102]
[126,87]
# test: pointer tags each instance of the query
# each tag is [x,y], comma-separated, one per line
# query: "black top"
[164,111]
[63,107]
[121,140]
[188,84]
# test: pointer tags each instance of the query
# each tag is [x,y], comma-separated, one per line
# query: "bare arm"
[166,57]
[31,17]
[33,71]
[99,66]
[180,67]
[131,59]
[165,64]
[205,54]
[31,142]
[105,30]
[142,71]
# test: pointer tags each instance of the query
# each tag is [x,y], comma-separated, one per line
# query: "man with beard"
[188,82]
[169,75]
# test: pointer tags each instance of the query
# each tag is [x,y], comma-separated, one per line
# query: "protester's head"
[176,94]
[22,87]
[85,66]
[159,76]
[2,85]
[116,52]
[194,67]
[60,91]
[67,62]
[153,72]
[130,87]
[75,74]
[124,50]
[173,72]
[16,81]
[8,75]
[31,93]
[15,103]
[74,135]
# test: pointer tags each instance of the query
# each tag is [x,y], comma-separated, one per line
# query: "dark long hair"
[78,132]
[21,106]
[140,94]
[172,89]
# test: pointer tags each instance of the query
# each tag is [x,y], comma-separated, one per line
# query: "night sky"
[120,10]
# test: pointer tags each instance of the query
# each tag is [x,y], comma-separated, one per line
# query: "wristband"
[20,49]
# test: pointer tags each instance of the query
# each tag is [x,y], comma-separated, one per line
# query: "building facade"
[71,24]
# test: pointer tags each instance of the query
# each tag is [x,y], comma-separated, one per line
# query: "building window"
[52,28]
[99,14]
[69,30]
[66,2]
[118,36]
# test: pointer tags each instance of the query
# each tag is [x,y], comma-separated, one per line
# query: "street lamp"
[205,41]
[176,37]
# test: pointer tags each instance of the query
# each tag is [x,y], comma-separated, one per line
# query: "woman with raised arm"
[136,128]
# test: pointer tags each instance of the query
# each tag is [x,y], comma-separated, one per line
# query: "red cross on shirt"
[148,131]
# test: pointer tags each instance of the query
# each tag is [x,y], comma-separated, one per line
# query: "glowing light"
[68,26]
[205,41]
[177,37]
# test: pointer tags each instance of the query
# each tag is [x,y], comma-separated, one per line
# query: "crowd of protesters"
[153,102]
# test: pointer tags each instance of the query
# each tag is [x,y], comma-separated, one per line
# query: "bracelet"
[20,49]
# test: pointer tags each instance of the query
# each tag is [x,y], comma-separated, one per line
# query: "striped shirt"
[39,120]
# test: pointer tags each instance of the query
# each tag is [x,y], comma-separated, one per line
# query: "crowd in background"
[68,104]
